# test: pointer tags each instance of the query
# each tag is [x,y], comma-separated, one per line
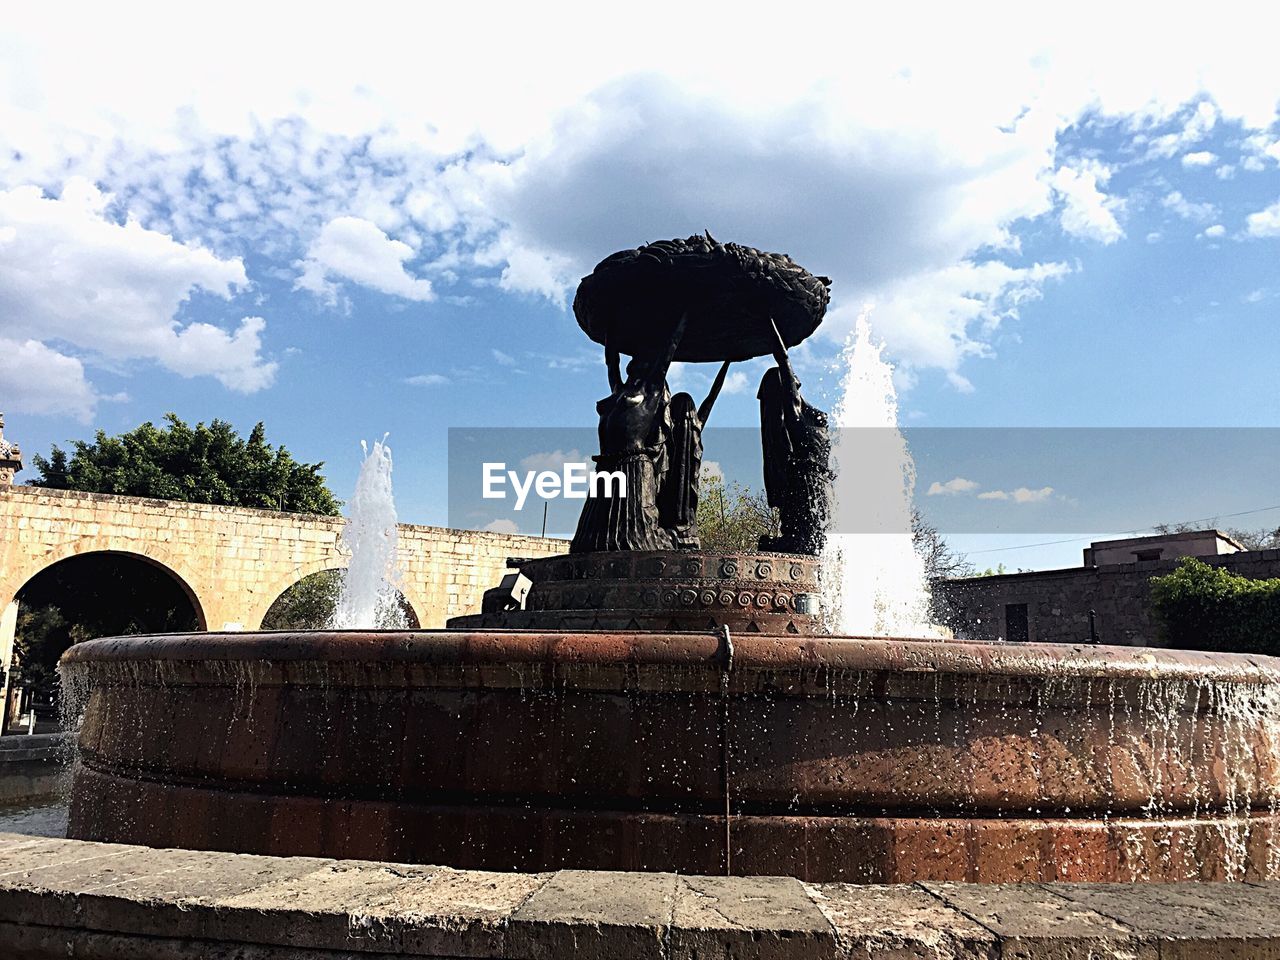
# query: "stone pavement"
[67,898]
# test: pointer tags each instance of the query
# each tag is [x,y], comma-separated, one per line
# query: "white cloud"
[1255,296]
[1201,158]
[1215,231]
[1020,495]
[503,359]
[1260,149]
[736,382]
[1198,124]
[902,172]
[1177,204]
[1264,223]
[427,380]
[1087,212]
[70,272]
[953,487]
[356,250]
[943,318]
[1225,172]
[502,525]
[1154,236]
[36,379]
[711,469]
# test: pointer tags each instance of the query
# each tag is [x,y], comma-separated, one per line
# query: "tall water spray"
[370,595]
[875,582]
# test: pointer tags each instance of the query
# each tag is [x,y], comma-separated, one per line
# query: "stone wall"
[233,562]
[1058,601]
[97,901]
[32,767]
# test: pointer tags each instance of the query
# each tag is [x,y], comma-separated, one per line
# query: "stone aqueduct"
[232,562]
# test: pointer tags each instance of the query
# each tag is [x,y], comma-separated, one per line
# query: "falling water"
[370,596]
[876,583]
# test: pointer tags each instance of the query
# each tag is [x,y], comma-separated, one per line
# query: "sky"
[349,222]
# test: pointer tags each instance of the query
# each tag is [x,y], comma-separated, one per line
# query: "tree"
[940,561]
[732,517]
[1204,607]
[1266,539]
[94,595]
[200,464]
[307,605]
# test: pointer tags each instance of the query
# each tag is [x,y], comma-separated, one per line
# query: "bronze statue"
[732,303]
[635,424]
[678,498]
[797,459]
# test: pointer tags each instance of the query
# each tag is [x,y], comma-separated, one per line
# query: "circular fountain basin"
[863,760]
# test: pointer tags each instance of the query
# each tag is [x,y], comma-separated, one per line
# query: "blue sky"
[350,228]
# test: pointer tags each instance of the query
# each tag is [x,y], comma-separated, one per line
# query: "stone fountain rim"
[752,652]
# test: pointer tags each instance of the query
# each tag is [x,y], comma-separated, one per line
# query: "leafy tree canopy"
[200,464]
[732,517]
[1204,607]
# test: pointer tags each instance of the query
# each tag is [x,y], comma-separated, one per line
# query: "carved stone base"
[665,590]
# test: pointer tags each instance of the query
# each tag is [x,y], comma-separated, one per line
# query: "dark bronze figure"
[678,504]
[797,459]
[733,303]
[635,425]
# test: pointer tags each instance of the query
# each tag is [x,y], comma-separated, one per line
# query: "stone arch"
[296,573]
[157,556]
[300,572]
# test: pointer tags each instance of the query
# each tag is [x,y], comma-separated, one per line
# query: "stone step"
[73,898]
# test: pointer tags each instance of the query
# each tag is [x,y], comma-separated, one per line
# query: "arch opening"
[93,594]
[309,604]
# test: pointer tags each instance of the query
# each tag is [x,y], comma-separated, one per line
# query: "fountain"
[648,705]
[369,596]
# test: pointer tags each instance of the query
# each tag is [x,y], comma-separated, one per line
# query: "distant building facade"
[1052,606]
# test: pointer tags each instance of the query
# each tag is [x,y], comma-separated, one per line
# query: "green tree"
[307,605]
[732,517]
[200,464]
[1204,607]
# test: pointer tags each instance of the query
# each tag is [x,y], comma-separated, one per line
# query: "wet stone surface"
[95,900]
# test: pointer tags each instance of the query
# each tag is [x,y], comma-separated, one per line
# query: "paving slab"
[595,914]
[1035,924]
[1226,920]
[898,922]
[751,918]
[389,908]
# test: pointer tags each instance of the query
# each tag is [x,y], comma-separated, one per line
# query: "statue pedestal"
[665,590]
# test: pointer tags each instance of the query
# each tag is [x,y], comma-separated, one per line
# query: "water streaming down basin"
[849,757]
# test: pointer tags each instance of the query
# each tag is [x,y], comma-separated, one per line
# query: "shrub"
[1202,607]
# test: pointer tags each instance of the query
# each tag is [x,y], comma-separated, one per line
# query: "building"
[1114,583]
